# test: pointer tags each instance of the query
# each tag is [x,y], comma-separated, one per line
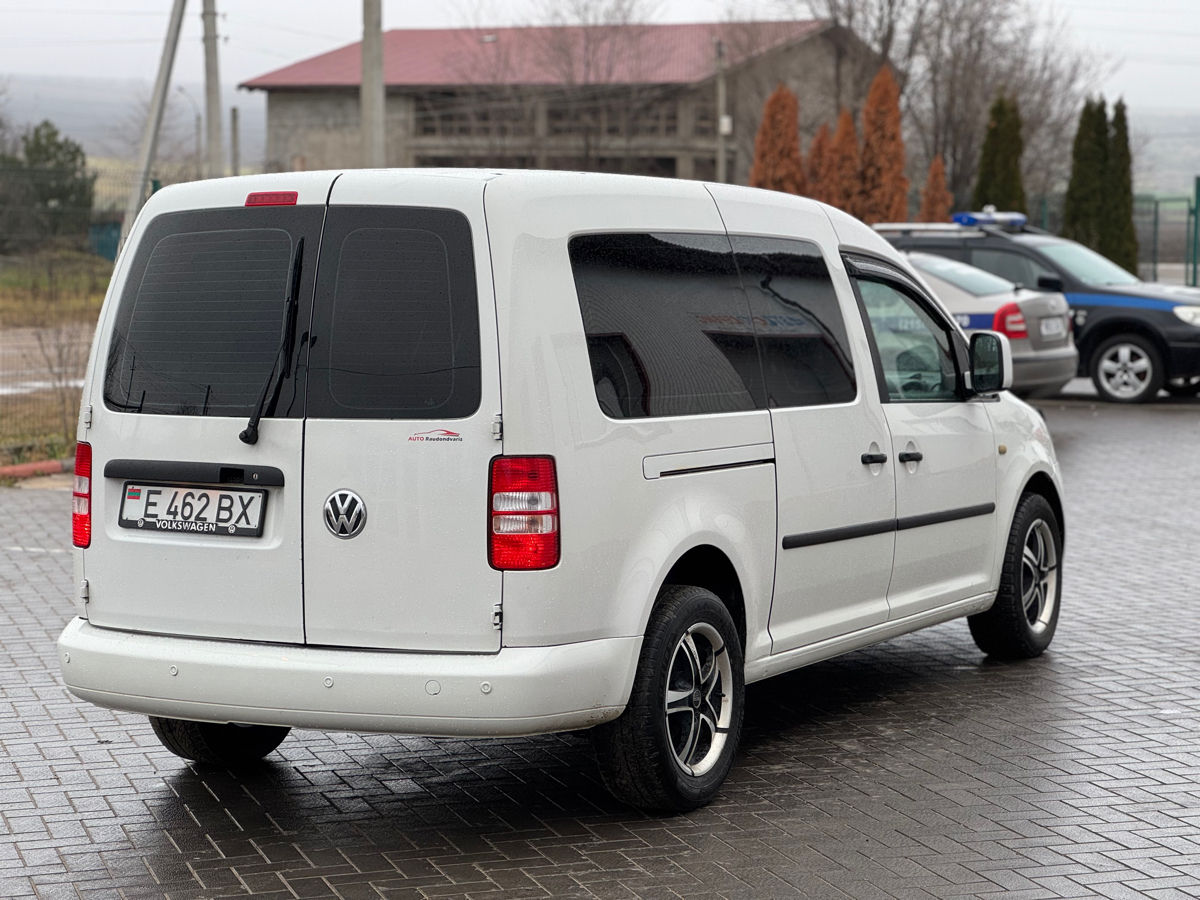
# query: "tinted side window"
[914,348]
[1013,266]
[799,324]
[200,319]
[667,326]
[396,328]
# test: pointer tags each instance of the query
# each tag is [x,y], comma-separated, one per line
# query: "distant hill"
[1166,149]
[103,114]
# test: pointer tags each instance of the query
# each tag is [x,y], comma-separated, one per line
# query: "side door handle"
[908,456]
[873,459]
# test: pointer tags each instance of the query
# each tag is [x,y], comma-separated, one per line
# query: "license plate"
[192,510]
[1053,327]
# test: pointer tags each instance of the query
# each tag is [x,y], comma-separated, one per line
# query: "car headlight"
[1189,314]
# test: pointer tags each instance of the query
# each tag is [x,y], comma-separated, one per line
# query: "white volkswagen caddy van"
[504,453]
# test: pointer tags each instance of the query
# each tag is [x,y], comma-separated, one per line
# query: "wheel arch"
[1106,328]
[708,567]
[1040,483]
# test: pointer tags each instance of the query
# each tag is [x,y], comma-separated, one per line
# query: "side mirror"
[1051,283]
[991,363]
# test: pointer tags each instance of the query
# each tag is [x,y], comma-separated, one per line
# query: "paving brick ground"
[913,769]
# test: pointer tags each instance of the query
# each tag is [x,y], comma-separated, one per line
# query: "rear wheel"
[1022,621]
[674,744]
[1127,368]
[223,745]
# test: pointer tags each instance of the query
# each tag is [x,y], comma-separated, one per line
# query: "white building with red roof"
[623,98]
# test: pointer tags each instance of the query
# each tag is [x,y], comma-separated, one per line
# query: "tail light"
[1010,321]
[523,513]
[81,497]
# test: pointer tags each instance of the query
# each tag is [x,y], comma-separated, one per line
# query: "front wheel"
[222,745]
[1127,368]
[674,744]
[1022,621]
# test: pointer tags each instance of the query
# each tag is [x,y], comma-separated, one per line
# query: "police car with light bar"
[1134,337]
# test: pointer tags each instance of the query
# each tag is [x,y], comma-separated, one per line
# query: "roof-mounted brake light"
[272,198]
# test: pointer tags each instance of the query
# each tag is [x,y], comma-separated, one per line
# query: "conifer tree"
[883,186]
[843,184]
[1084,206]
[1118,237]
[999,179]
[777,164]
[936,198]
[818,167]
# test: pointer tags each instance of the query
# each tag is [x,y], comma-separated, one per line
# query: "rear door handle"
[910,456]
[873,459]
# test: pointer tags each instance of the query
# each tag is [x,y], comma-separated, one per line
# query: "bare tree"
[952,57]
[176,159]
[597,55]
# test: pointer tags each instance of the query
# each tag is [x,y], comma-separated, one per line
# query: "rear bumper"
[1044,372]
[520,690]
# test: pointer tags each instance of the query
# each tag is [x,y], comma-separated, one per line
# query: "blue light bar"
[1007,219]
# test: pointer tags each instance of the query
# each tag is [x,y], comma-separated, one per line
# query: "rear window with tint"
[396,324]
[201,315]
[668,329]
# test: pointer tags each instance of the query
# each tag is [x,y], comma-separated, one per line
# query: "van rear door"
[403,395]
[195,532]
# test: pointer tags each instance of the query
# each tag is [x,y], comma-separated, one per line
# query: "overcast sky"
[1152,47]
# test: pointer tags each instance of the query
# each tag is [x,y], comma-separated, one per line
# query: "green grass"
[37,426]
[52,287]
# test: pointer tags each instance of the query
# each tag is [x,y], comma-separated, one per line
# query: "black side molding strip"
[193,472]
[717,468]
[846,533]
[949,515]
[849,532]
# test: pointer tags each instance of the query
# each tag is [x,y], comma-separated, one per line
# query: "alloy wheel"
[1039,576]
[1126,370]
[698,702]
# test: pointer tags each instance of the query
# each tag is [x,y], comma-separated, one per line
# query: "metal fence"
[1166,233]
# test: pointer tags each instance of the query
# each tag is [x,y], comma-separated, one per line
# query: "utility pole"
[234,152]
[371,91]
[724,126]
[214,163]
[158,101]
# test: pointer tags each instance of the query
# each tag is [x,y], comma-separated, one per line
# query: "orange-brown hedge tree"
[843,186]
[883,187]
[936,198]
[818,167]
[777,165]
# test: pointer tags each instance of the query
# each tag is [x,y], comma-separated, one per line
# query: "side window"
[915,349]
[396,335]
[1013,266]
[797,320]
[668,332]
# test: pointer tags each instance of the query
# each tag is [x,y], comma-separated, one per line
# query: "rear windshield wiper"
[282,365]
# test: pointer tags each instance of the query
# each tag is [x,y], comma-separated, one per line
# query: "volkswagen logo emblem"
[345,514]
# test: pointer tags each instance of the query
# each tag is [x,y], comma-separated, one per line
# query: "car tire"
[1127,368]
[222,745]
[1022,621]
[674,744]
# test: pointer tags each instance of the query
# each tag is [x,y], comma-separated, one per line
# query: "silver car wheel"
[1126,370]
[1039,576]
[698,702]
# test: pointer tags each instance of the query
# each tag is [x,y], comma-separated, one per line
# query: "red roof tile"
[616,54]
